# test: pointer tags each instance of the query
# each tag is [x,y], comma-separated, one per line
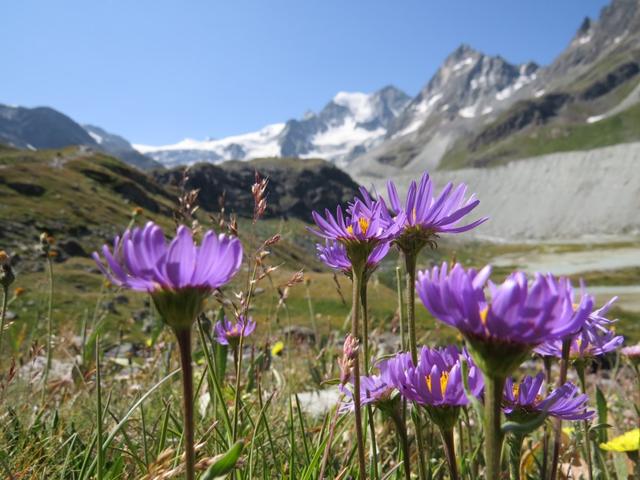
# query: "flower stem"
[450,451]
[410,264]
[515,441]
[355,321]
[49,325]
[184,344]
[404,442]
[100,453]
[3,311]
[365,334]
[493,387]
[545,438]
[579,366]
[562,378]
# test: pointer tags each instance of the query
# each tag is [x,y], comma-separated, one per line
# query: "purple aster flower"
[436,381]
[592,340]
[334,255]
[526,399]
[502,330]
[375,390]
[425,215]
[178,275]
[228,333]
[361,224]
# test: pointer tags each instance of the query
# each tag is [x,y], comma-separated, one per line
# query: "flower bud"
[6,272]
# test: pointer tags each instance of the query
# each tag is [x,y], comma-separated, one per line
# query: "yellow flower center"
[364,225]
[444,380]
[515,390]
[483,315]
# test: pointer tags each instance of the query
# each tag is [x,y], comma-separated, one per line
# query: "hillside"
[296,187]
[83,198]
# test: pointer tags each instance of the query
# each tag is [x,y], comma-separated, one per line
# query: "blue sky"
[159,71]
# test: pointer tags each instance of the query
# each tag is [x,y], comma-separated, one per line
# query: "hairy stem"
[562,378]
[545,437]
[450,451]
[184,344]
[355,331]
[367,356]
[401,428]
[515,441]
[579,365]
[410,263]
[100,453]
[49,325]
[493,387]
[3,311]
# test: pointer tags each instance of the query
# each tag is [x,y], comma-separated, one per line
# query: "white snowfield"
[584,195]
[262,143]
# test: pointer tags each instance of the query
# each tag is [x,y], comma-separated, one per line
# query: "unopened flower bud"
[6,272]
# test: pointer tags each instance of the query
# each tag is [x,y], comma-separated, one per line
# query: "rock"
[300,334]
[318,403]
[73,248]
[10,315]
[121,299]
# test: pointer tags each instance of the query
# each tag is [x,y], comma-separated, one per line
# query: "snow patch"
[98,139]
[359,104]
[420,114]
[595,118]
[539,93]
[464,63]
[468,112]
[584,39]
[520,82]
[31,147]
[487,110]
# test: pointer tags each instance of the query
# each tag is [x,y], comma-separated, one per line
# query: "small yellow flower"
[137,211]
[627,442]
[19,291]
[4,257]
[277,349]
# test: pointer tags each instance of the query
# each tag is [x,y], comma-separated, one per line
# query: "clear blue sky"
[158,71]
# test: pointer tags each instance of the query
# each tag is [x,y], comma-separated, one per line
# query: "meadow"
[90,373]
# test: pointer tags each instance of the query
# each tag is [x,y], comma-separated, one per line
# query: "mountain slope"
[45,128]
[120,148]
[560,107]
[348,125]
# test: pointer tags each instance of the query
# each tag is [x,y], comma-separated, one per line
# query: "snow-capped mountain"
[349,125]
[468,90]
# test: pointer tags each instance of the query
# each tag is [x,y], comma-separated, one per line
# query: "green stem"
[403,340]
[562,378]
[184,345]
[49,325]
[493,387]
[3,312]
[410,262]
[450,451]
[515,441]
[355,321]
[401,428]
[579,366]
[367,356]
[100,456]
[545,437]
[410,267]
